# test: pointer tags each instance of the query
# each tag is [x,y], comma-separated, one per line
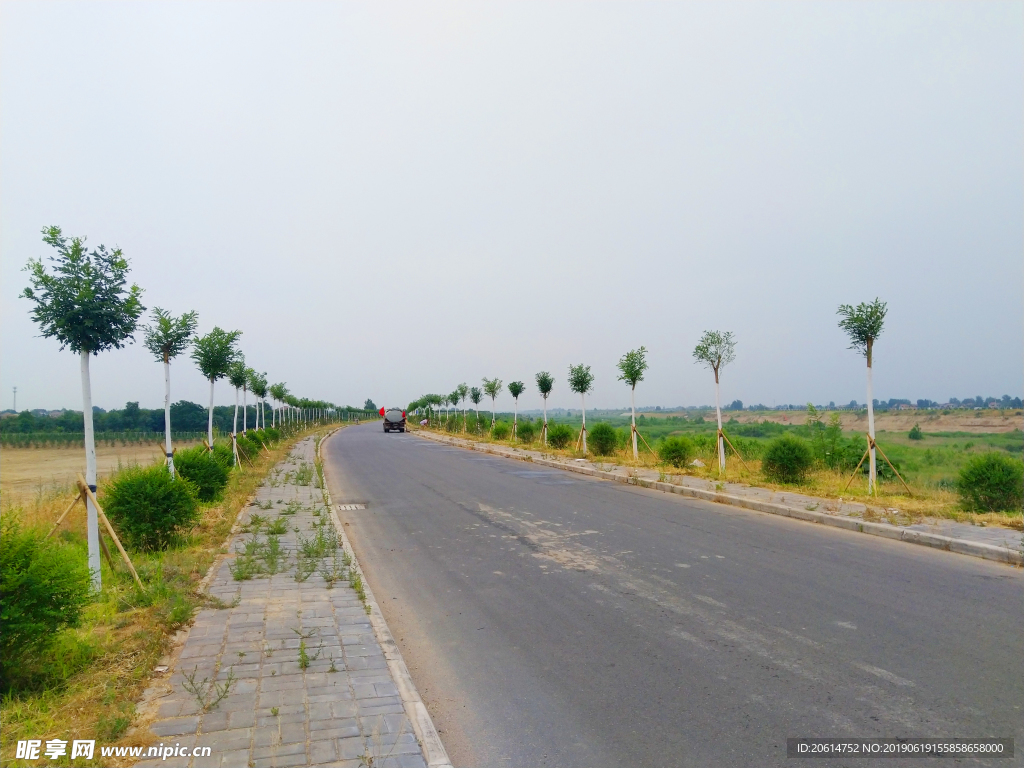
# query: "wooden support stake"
[110,529]
[67,511]
[727,440]
[645,442]
[855,469]
[893,469]
[106,552]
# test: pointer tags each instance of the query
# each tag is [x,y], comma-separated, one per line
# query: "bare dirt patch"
[989,420]
[26,472]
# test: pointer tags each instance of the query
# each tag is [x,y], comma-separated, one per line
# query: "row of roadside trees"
[84,302]
[715,350]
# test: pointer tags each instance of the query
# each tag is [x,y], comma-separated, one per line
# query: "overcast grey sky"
[389,199]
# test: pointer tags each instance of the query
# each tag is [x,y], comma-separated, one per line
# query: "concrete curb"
[430,742]
[948,543]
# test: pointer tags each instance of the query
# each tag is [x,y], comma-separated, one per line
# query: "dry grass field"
[31,472]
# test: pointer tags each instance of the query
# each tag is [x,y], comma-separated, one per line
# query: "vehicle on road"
[394,419]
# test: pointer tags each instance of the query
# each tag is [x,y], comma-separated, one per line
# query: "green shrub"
[602,439]
[992,482]
[501,430]
[525,431]
[787,459]
[204,469]
[44,585]
[916,433]
[149,507]
[675,451]
[560,435]
[273,435]
[223,454]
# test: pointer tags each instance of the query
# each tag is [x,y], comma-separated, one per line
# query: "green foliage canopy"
[581,380]
[863,324]
[169,336]
[83,303]
[632,366]
[545,383]
[215,352]
[715,350]
[516,388]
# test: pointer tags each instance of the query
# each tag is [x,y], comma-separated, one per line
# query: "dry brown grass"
[40,472]
[124,632]
[823,483]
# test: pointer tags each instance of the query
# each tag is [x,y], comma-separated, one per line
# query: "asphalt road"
[553,620]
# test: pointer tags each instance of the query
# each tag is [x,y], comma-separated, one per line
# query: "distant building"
[56,414]
[906,407]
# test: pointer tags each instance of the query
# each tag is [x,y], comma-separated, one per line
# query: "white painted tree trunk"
[632,412]
[515,418]
[583,397]
[545,430]
[167,417]
[492,413]
[721,440]
[92,517]
[209,426]
[234,430]
[245,410]
[872,467]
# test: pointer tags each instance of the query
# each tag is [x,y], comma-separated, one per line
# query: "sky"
[389,199]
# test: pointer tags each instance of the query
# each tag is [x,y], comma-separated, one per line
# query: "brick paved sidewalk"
[306,680]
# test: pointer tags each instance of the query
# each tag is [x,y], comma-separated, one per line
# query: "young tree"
[515,388]
[545,383]
[453,399]
[167,338]
[632,366]
[863,324]
[85,306]
[476,395]
[716,350]
[213,355]
[463,392]
[258,385]
[581,381]
[491,388]
[278,392]
[238,376]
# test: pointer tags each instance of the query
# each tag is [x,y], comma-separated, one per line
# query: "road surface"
[549,619]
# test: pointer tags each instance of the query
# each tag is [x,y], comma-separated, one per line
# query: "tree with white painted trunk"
[238,378]
[258,385]
[167,338]
[716,350]
[278,393]
[476,395]
[632,366]
[545,383]
[581,381]
[213,354]
[492,387]
[515,388]
[85,305]
[453,400]
[463,392]
[864,324]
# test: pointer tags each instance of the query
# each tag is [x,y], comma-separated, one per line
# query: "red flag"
[381,411]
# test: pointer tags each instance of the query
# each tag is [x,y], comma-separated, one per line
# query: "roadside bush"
[916,433]
[204,469]
[992,482]
[675,451]
[560,435]
[222,453]
[787,459]
[501,430]
[44,585]
[602,439]
[525,431]
[149,507]
[272,435]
